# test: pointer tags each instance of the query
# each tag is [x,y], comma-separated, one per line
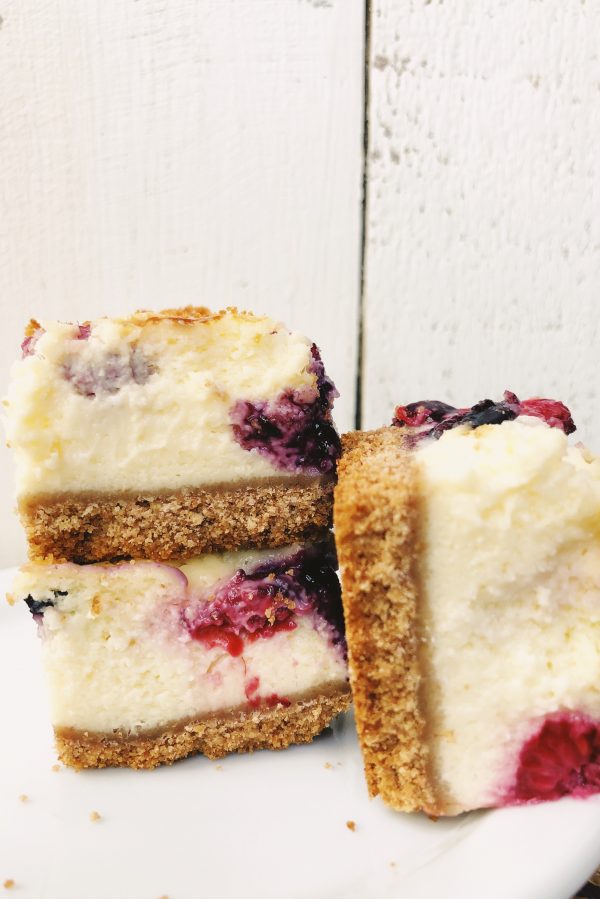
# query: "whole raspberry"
[561,759]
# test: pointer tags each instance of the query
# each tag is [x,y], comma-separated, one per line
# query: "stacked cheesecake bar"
[175,475]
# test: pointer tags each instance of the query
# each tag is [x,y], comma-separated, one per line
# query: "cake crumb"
[392,864]
[328,765]
[351,825]
[94,816]
[9,884]
[23,797]
[55,768]
[218,767]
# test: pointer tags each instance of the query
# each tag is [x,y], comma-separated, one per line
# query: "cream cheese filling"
[168,429]
[510,579]
[116,655]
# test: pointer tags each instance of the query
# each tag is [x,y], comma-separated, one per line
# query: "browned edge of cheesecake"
[176,525]
[376,518]
[243,730]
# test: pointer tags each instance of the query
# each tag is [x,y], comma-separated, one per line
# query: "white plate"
[268,825]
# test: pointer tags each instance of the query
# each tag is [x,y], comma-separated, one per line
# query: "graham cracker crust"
[376,518]
[243,730]
[175,525]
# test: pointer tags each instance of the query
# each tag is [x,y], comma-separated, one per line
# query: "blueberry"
[38,606]
[294,431]
[489,413]
[434,410]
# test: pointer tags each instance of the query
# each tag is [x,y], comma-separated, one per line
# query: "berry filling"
[268,600]
[109,374]
[430,418]
[561,759]
[105,375]
[37,607]
[83,331]
[28,345]
[294,431]
[255,701]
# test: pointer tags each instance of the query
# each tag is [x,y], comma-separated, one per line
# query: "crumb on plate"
[328,765]
[23,797]
[351,825]
[9,884]
[95,816]
[55,768]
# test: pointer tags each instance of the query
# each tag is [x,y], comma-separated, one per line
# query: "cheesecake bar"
[168,435]
[149,662]
[469,543]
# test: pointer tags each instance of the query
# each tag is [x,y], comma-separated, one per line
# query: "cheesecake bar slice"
[149,662]
[469,544]
[166,435]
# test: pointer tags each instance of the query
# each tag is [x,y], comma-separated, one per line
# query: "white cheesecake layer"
[170,430]
[117,655]
[511,586]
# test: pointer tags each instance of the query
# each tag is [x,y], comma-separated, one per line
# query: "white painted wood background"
[169,151]
[482,266]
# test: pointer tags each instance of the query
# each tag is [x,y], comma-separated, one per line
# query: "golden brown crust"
[241,731]
[182,315]
[189,315]
[178,525]
[31,327]
[376,526]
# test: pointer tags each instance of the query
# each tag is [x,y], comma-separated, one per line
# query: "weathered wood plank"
[483,250]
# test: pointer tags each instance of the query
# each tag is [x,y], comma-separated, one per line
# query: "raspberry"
[28,345]
[553,412]
[84,331]
[269,599]
[561,759]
